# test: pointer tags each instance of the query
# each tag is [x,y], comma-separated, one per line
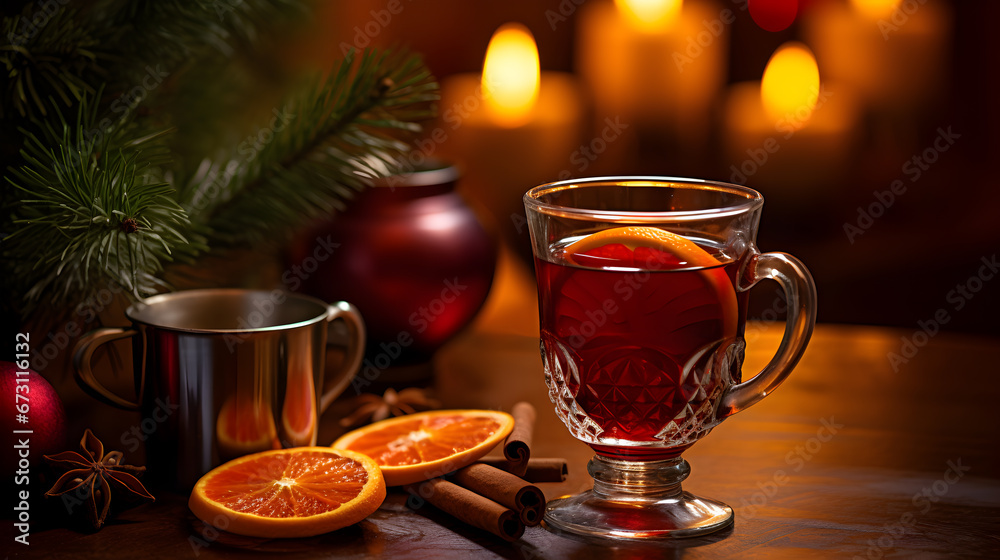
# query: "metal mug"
[221,373]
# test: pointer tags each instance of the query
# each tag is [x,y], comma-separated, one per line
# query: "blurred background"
[868,125]
[870,134]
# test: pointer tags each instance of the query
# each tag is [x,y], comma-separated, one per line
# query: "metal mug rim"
[133,310]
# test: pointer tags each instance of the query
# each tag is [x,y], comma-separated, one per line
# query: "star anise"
[91,476]
[370,407]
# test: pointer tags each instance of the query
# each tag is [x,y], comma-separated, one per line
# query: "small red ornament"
[774,15]
[44,414]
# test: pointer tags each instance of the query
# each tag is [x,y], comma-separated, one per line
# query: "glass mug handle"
[83,354]
[355,349]
[800,291]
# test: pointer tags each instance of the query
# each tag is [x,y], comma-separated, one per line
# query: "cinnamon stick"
[504,488]
[469,507]
[517,447]
[548,469]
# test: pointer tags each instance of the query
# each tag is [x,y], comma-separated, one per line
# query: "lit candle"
[511,76]
[657,63]
[789,130]
[892,52]
[512,127]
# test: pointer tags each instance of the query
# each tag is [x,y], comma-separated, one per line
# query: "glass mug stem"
[639,481]
[621,488]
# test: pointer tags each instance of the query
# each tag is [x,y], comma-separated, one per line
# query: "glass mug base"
[637,500]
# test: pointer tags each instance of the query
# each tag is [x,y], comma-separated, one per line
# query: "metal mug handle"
[355,349]
[800,291]
[83,353]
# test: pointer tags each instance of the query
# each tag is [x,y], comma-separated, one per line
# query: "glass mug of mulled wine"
[643,287]
[220,373]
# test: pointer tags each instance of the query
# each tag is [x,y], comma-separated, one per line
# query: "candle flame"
[650,15]
[790,86]
[876,9]
[511,75]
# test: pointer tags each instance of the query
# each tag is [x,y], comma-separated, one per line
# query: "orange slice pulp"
[422,446]
[298,492]
[654,249]
[645,245]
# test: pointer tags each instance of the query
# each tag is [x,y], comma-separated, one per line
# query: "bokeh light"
[511,74]
[790,86]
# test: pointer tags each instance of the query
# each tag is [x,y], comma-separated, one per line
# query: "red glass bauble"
[44,414]
[410,254]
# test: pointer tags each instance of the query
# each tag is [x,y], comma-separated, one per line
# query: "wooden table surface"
[847,459]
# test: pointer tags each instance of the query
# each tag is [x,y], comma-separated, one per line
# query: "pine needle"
[340,134]
[95,198]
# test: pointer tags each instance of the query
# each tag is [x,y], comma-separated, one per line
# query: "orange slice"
[428,444]
[707,296]
[634,239]
[298,492]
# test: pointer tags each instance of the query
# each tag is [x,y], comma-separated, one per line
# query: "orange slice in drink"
[298,492]
[635,324]
[639,246]
[428,444]
[706,296]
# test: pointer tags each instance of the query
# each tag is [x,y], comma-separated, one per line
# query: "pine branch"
[93,212]
[88,201]
[54,52]
[55,59]
[328,141]
[169,33]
